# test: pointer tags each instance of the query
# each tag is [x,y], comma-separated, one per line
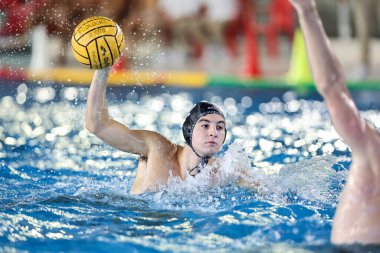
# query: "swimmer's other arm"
[246,181]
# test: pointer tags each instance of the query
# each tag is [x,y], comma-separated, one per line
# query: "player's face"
[208,134]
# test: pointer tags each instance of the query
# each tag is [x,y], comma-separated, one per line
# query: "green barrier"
[364,85]
[232,81]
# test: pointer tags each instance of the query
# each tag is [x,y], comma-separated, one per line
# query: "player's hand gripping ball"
[97,42]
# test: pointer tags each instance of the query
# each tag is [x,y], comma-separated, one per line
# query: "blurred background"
[243,38]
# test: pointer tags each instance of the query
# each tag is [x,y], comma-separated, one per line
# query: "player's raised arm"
[110,131]
[357,218]
[96,109]
[328,76]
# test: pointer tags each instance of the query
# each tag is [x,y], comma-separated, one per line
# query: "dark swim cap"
[200,109]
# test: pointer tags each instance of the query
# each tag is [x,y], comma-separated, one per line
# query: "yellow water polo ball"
[97,42]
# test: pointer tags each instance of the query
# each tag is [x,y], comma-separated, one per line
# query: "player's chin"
[211,151]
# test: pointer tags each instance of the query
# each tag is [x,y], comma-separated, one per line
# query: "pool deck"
[182,73]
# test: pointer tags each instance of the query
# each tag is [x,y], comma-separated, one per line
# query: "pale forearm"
[325,67]
[328,75]
[96,109]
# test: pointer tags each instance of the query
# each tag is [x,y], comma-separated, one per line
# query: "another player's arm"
[246,181]
[328,76]
[110,131]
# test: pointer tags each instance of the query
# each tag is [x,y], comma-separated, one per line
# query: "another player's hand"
[302,5]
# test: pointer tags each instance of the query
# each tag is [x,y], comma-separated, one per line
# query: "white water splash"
[311,180]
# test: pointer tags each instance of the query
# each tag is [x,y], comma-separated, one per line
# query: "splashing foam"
[306,181]
[213,185]
[311,181]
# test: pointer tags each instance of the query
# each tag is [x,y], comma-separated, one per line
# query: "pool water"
[62,189]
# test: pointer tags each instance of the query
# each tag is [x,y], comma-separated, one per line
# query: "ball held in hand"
[97,42]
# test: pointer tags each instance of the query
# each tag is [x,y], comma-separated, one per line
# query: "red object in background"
[120,64]
[7,73]
[280,18]
[5,4]
[233,28]
[282,14]
[252,62]
[18,17]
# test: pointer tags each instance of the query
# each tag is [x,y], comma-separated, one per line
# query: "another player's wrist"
[307,8]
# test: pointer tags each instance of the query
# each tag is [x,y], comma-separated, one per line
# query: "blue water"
[64,190]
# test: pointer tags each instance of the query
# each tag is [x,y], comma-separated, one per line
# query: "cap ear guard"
[187,130]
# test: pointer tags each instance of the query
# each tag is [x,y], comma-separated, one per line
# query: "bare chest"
[153,172]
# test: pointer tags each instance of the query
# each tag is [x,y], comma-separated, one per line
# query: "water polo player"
[357,219]
[204,130]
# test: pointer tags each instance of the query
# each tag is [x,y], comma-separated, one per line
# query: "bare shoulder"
[158,143]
